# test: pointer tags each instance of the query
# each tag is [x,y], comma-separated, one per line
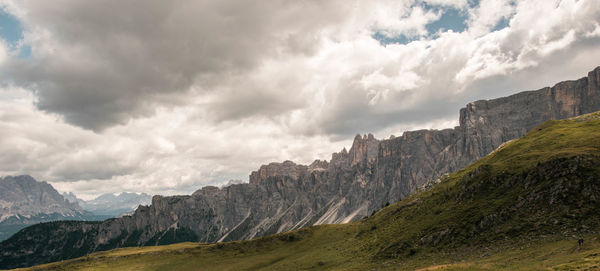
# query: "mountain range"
[523,207]
[286,196]
[111,205]
[24,201]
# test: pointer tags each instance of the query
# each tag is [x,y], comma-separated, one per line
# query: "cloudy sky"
[165,97]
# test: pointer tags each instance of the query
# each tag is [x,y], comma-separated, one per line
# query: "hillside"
[521,207]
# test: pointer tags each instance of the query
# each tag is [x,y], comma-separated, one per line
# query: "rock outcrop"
[286,196]
[287,168]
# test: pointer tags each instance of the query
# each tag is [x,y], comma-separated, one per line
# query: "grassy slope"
[434,228]
[557,255]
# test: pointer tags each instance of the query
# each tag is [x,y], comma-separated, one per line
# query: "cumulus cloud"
[119,60]
[411,24]
[486,16]
[530,37]
[169,96]
[168,153]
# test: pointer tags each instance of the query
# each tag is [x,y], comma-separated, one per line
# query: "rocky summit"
[286,196]
[25,201]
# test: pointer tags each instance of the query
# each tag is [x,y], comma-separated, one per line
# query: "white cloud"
[594,33]
[3,52]
[411,24]
[488,14]
[120,60]
[167,153]
[529,39]
[199,92]
[459,4]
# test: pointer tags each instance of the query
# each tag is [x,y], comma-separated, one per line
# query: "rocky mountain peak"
[318,165]
[363,150]
[70,197]
[287,168]
[24,190]
[339,159]
[25,201]
[210,189]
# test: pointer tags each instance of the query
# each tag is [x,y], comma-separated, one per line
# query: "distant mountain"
[110,205]
[70,197]
[113,206]
[25,201]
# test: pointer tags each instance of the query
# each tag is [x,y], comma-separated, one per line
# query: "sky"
[165,97]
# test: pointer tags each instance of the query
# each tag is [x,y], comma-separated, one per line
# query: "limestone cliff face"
[407,162]
[286,196]
[287,168]
[363,151]
[489,123]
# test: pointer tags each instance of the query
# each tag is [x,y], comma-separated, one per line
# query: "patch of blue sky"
[451,19]
[10,28]
[503,23]
[385,40]
[11,31]
[473,3]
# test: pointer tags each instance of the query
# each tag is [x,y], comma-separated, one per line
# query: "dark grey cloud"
[101,63]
